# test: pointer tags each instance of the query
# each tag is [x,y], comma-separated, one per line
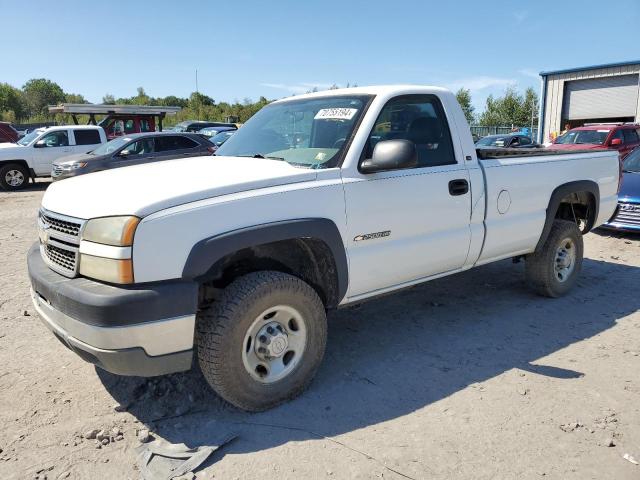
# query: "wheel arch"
[583,195]
[310,248]
[18,161]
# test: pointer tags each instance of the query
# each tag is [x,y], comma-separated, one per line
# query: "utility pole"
[197,94]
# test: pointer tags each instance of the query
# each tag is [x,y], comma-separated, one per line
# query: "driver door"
[51,146]
[134,153]
[408,224]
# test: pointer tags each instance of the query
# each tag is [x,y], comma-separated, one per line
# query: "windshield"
[492,141]
[595,137]
[209,131]
[29,137]
[111,146]
[632,162]
[220,138]
[306,132]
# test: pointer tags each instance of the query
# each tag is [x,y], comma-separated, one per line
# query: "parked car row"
[71,150]
[133,150]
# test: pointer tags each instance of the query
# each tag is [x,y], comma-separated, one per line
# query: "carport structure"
[607,93]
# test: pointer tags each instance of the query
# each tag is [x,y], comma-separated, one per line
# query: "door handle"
[458,187]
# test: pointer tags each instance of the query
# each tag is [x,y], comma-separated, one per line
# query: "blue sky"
[276,48]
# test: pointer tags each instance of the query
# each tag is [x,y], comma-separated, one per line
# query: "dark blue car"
[627,216]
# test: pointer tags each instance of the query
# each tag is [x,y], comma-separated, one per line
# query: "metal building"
[597,94]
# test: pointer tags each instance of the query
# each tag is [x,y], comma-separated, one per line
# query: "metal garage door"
[601,98]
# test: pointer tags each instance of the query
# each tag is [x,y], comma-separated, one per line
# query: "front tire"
[553,270]
[13,176]
[262,342]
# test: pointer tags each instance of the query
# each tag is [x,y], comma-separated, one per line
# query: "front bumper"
[140,330]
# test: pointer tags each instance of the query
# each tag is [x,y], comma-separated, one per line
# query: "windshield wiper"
[259,155]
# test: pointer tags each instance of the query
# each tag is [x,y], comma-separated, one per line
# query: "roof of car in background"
[159,134]
[606,126]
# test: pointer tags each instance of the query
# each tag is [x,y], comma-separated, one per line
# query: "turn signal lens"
[107,269]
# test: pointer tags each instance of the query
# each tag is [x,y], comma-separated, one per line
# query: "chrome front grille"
[61,225]
[60,241]
[628,214]
[62,257]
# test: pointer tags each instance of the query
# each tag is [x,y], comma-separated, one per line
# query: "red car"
[623,137]
[8,133]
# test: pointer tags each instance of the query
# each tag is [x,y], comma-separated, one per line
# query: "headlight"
[110,270]
[116,231]
[71,166]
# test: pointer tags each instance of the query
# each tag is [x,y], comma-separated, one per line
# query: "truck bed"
[488,153]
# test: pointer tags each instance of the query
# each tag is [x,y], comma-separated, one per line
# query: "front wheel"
[13,176]
[553,270]
[262,342]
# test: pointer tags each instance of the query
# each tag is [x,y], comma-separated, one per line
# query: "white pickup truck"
[318,202]
[35,153]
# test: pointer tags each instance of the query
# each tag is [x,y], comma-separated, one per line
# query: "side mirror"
[40,144]
[616,141]
[391,155]
[124,153]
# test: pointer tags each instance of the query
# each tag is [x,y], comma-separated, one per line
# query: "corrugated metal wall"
[555,87]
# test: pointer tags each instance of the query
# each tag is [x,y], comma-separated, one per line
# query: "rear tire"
[553,270]
[248,367]
[13,176]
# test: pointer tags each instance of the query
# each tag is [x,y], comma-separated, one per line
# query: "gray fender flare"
[556,198]
[208,251]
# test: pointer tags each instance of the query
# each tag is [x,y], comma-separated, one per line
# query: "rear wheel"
[262,342]
[13,176]
[553,270]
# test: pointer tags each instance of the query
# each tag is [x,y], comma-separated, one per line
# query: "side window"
[86,137]
[56,139]
[140,147]
[420,119]
[617,135]
[525,141]
[129,126]
[630,136]
[515,142]
[145,126]
[167,143]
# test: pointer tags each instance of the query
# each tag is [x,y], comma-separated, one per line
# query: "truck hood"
[5,147]
[144,189]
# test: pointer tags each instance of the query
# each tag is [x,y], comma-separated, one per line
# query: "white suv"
[35,153]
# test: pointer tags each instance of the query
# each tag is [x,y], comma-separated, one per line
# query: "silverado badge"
[371,236]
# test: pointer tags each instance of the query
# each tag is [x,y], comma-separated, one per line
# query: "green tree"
[74,98]
[512,108]
[464,99]
[141,98]
[39,93]
[108,99]
[11,102]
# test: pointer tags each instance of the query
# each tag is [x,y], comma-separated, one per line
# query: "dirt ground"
[470,376]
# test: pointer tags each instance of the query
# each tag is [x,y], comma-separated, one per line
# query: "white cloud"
[481,83]
[529,72]
[301,87]
[520,16]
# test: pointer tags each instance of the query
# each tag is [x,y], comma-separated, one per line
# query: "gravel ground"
[469,376]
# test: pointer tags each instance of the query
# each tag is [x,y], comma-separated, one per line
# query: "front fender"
[208,251]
